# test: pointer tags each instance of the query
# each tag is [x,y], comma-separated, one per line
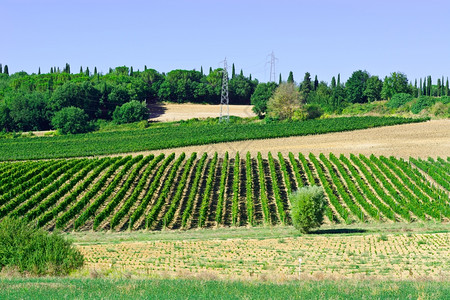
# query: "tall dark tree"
[339,80]
[261,96]
[39,71]
[290,77]
[87,71]
[5,70]
[210,70]
[1,69]
[201,69]
[279,79]
[333,83]
[420,88]
[233,71]
[306,87]
[316,82]
[425,90]
[447,88]
[51,70]
[81,69]
[95,70]
[67,68]
[355,87]
[442,87]
[241,73]
[438,87]
[131,71]
[145,67]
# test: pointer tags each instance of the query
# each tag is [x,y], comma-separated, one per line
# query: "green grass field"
[84,288]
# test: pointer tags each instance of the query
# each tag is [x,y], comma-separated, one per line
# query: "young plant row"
[155,192]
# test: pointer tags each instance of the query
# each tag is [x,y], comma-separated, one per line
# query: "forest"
[43,101]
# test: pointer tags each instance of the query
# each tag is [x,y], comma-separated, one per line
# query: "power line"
[224,100]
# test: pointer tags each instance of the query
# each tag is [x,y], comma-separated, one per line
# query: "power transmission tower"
[224,100]
[273,59]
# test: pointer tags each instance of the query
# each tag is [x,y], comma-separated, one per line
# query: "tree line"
[31,101]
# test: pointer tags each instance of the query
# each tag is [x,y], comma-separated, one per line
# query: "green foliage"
[394,84]
[373,89]
[355,87]
[284,102]
[399,99]
[308,207]
[34,251]
[261,96]
[71,120]
[422,103]
[130,112]
[313,111]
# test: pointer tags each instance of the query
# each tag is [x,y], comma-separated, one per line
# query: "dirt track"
[429,139]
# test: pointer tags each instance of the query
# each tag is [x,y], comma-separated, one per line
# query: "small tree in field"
[284,102]
[308,207]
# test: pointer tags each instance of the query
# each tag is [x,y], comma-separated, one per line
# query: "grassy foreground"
[75,288]
[178,135]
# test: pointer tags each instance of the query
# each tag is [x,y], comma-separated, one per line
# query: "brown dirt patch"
[167,112]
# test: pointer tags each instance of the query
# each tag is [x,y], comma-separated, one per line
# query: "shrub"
[130,112]
[422,103]
[308,207]
[71,120]
[440,109]
[399,99]
[284,102]
[35,251]
[313,111]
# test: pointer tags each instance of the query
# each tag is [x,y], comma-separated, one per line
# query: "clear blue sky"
[321,37]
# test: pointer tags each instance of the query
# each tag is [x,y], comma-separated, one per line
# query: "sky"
[321,37]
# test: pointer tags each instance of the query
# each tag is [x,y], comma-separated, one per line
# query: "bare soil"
[167,112]
[423,140]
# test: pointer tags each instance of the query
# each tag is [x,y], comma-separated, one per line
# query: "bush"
[422,103]
[308,207]
[313,111]
[35,251]
[399,99]
[130,112]
[71,120]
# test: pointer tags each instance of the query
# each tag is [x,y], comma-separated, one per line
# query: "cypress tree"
[145,67]
[415,87]
[95,70]
[429,84]
[420,88]
[316,83]
[51,70]
[110,71]
[233,72]
[424,92]
[50,84]
[87,71]
[81,69]
[442,87]
[39,71]
[333,83]
[131,71]
[439,87]
[447,88]
[201,70]
[279,80]
[290,77]
[5,70]
[210,70]
[339,80]
[250,77]
[241,73]
[1,69]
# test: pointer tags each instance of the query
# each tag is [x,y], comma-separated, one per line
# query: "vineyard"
[163,136]
[156,192]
